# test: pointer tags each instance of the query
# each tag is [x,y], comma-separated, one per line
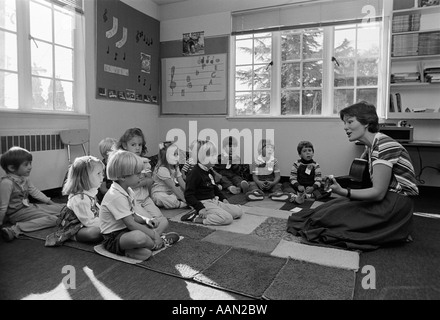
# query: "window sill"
[287,118]
[44,114]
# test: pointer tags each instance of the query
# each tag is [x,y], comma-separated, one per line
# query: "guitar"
[358,176]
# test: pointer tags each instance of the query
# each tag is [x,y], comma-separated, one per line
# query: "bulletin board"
[127,48]
[195,85]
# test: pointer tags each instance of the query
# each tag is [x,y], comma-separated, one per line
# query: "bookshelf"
[414,62]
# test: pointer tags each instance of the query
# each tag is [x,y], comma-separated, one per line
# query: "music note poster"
[197,78]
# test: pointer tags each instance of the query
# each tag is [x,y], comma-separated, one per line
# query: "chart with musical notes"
[197,78]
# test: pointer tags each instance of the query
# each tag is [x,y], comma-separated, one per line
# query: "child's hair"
[107,145]
[229,141]
[205,148]
[129,134]
[14,157]
[304,144]
[123,163]
[78,177]
[162,156]
[262,146]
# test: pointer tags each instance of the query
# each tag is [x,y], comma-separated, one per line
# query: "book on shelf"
[392,103]
[410,22]
[432,75]
[405,45]
[403,77]
[399,102]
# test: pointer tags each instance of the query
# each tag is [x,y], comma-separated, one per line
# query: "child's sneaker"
[7,234]
[244,186]
[234,190]
[189,216]
[170,238]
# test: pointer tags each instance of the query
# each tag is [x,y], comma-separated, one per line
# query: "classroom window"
[307,60]
[41,43]
[319,71]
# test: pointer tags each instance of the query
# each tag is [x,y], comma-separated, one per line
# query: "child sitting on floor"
[15,189]
[80,221]
[266,175]
[192,161]
[125,232]
[164,192]
[305,175]
[106,146]
[133,140]
[228,166]
[210,205]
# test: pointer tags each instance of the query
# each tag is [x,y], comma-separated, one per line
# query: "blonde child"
[228,166]
[133,140]
[83,180]
[125,232]
[15,189]
[210,205]
[106,146]
[164,192]
[266,174]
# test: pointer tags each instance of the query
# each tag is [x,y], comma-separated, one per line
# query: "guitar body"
[358,177]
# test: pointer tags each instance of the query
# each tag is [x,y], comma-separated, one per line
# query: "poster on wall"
[127,46]
[193,43]
[199,78]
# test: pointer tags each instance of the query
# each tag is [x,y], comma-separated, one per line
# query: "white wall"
[112,118]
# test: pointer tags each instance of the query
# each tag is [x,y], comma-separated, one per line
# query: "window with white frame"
[305,72]
[41,43]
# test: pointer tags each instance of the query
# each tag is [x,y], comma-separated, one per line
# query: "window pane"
[41,91]
[345,41]
[262,50]
[8,49]
[8,90]
[64,26]
[243,103]
[41,58]
[243,52]
[343,98]
[344,73]
[290,75]
[312,74]
[261,78]
[367,72]
[311,102]
[369,95]
[243,78]
[290,102]
[312,45]
[368,40]
[63,63]
[290,45]
[63,99]
[39,13]
[261,103]
[8,18]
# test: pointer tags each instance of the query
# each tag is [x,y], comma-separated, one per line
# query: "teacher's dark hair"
[364,112]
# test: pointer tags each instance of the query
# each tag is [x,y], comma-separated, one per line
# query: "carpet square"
[244,241]
[275,229]
[320,255]
[266,203]
[186,258]
[242,271]
[265,212]
[299,280]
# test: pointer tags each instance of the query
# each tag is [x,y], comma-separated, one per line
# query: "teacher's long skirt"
[356,224]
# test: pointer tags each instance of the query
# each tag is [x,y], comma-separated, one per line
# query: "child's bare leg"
[136,244]
[163,224]
[89,234]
